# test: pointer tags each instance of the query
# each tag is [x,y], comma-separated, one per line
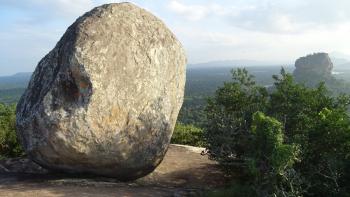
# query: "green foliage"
[10,96]
[236,190]
[299,148]
[229,116]
[192,111]
[296,105]
[9,145]
[270,159]
[203,82]
[320,125]
[187,135]
[326,154]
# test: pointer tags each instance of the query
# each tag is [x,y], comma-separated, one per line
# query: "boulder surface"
[105,100]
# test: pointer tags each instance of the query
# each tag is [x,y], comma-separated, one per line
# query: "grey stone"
[105,100]
[313,68]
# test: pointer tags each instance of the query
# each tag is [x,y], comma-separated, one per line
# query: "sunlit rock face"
[105,100]
[313,68]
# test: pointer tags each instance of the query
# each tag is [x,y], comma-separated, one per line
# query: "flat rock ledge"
[183,172]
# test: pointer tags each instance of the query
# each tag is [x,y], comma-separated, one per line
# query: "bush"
[187,135]
[270,159]
[9,144]
[229,116]
[298,145]
[236,190]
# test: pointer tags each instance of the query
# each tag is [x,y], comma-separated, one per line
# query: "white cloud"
[192,12]
[43,10]
[239,43]
[196,12]
[273,16]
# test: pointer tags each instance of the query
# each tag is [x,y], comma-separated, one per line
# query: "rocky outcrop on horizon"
[313,68]
[105,100]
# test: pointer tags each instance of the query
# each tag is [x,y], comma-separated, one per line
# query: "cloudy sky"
[271,30]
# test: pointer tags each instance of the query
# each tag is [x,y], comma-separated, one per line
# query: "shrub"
[270,159]
[187,135]
[298,145]
[236,190]
[229,116]
[9,144]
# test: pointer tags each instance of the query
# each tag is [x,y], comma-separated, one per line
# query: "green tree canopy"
[9,145]
[290,139]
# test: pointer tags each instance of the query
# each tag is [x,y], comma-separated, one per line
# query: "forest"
[272,135]
[292,140]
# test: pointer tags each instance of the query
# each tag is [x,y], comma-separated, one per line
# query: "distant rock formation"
[313,68]
[105,100]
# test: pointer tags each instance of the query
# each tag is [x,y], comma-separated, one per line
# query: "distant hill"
[18,80]
[340,61]
[10,96]
[339,55]
[235,63]
[12,87]
[345,66]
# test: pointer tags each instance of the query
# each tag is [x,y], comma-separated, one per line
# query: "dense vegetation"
[188,135]
[9,145]
[12,87]
[289,141]
[202,83]
[10,96]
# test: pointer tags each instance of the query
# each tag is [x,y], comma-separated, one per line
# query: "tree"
[326,154]
[270,160]
[187,135]
[297,106]
[9,144]
[319,123]
[297,145]
[229,116]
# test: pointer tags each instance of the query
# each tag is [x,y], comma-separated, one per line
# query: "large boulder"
[105,100]
[313,69]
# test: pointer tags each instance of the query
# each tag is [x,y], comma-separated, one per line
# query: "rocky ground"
[183,172]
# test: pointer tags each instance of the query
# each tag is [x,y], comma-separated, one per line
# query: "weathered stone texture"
[106,98]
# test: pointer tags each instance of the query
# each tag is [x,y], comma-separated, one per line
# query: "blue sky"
[271,30]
